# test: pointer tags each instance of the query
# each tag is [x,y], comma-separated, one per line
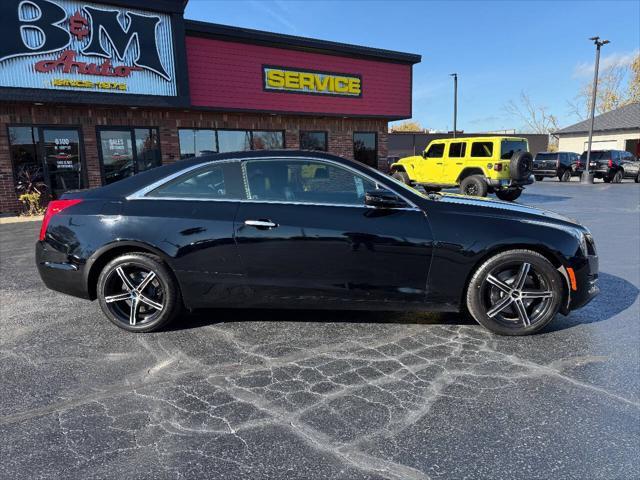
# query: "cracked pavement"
[348,395]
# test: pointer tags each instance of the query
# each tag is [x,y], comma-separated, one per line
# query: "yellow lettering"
[306,81]
[342,85]
[275,78]
[292,80]
[321,83]
[354,86]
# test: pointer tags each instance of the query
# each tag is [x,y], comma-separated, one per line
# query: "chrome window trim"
[141,194]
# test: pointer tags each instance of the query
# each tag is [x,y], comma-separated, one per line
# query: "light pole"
[455,103]
[587,176]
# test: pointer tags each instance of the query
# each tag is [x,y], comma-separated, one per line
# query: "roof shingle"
[623,118]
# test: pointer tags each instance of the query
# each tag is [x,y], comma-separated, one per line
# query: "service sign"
[74,45]
[283,79]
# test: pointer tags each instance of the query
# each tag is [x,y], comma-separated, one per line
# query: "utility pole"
[455,103]
[587,176]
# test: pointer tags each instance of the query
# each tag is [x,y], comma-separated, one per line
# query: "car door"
[430,170]
[629,164]
[454,162]
[190,217]
[306,238]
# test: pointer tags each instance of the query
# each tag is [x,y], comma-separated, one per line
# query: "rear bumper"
[545,173]
[508,183]
[59,272]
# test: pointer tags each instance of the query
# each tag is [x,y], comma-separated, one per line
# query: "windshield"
[597,155]
[509,147]
[546,156]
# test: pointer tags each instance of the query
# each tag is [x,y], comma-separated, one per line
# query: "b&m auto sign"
[72,45]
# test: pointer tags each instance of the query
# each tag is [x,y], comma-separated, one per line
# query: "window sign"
[74,45]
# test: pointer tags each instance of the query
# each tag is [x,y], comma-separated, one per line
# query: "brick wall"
[87,118]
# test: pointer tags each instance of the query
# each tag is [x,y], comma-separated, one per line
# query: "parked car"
[477,165]
[563,165]
[309,230]
[613,166]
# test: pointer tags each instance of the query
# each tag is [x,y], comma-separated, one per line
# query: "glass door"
[116,148]
[63,164]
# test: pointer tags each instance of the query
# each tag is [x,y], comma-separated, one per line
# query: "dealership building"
[93,92]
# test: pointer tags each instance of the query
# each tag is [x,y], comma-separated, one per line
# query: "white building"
[618,129]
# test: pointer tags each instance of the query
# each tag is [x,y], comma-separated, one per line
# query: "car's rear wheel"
[402,176]
[474,185]
[617,178]
[637,179]
[539,178]
[517,292]
[566,176]
[138,292]
[509,195]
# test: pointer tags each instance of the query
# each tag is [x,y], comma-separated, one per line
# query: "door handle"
[458,163]
[262,224]
[438,163]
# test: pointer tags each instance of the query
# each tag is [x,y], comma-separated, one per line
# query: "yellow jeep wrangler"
[478,165]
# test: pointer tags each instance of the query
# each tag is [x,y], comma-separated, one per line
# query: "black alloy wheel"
[517,292]
[474,185]
[138,293]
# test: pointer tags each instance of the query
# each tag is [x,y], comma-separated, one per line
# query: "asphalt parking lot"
[299,394]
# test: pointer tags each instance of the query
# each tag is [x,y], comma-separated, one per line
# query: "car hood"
[488,206]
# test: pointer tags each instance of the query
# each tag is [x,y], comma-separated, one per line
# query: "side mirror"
[382,198]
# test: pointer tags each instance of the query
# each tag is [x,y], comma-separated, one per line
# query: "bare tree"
[618,85]
[536,118]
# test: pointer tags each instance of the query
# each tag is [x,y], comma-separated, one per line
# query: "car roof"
[460,139]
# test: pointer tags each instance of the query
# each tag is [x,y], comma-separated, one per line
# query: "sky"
[498,48]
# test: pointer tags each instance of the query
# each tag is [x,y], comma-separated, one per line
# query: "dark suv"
[613,165]
[563,165]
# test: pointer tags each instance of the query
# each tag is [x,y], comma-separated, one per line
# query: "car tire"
[637,179]
[617,178]
[509,195]
[500,298]
[566,176]
[125,280]
[402,176]
[474,186]
[539,178]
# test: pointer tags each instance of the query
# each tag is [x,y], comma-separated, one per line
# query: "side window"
[305,181]
[482,149]
[563,158]
[436,150]
[213,182]
[457,149]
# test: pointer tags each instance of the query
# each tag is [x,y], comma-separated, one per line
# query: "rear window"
[509,147]
[546,156]
[597,155]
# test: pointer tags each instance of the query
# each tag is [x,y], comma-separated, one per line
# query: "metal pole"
[587,176]
[455,103]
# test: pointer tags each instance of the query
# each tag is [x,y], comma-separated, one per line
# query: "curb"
[7,220]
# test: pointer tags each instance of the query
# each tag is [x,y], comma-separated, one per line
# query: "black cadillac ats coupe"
[292,229]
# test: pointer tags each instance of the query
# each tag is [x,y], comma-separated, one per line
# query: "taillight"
[578,164]
[497,167]
[54,208]
[610,163]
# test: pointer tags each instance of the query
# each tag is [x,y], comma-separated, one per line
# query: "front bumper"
[59,272]
[509,183]
[586,276]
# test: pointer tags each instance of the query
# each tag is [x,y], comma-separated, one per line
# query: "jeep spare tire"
[521,165]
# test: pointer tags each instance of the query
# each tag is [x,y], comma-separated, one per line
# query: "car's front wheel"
[517,292]
[402,176]
[138,292]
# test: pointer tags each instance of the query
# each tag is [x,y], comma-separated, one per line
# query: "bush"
[32,203]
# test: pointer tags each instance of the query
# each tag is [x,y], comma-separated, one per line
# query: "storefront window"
[313,140]
[46,160]
[125,152]
[234,140]
[265,140]
[197,142]
[365,148]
